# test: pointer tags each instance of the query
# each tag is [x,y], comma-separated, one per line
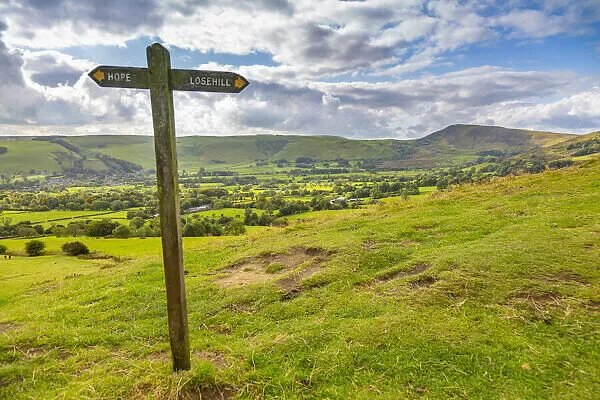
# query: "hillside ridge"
[452,145]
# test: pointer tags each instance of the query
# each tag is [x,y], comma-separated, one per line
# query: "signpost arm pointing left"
[161,97]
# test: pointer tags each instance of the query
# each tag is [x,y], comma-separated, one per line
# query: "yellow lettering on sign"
[99,75]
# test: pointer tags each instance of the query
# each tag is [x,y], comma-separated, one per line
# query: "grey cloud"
[569,122]
[10,62]
[324,50]
[48,69]
[190,6]
[468,88]
[369,110]
[56,78]
[17,102]
[110,15]
[22,105]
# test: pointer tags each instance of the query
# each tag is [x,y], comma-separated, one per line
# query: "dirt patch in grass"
[413,270]
[567,277]
[211,392]
[243,307]
[423,282]
[270,266]
[160,356]
[5,382]
[7,326]
[292,284]
[537,298]
[216,358]
[592,305]
[36,352]
[424,227]
[212,356]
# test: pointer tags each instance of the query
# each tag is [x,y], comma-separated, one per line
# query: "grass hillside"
[194,151]
[484,138]
[23,155]
[455,144]
[486,291]
[569,148]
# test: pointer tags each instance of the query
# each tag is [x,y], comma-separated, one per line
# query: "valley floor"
[485,291]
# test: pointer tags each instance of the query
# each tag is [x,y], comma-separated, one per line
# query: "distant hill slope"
[485,138]
[452,145]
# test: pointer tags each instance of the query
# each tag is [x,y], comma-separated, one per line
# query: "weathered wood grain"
[161,96]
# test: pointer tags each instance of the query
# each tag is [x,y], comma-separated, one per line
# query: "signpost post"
[162,80]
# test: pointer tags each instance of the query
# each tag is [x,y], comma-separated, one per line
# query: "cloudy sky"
[360,69]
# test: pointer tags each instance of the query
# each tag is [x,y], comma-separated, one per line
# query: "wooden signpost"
[162,80]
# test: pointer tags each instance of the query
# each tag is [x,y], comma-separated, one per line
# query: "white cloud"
[310,41]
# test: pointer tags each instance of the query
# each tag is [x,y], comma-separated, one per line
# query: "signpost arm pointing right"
[161,97]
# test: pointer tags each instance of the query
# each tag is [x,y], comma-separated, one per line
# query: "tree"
[39,229]
[121,232]
[101,228]
[235,227]
[98,205]
[117,205]
[3,249]
[75,229]
[26,231]
[75,248]
[34,248]
[145,231]
[136,223]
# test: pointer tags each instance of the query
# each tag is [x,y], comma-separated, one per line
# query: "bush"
[34,248]
[235,227]
[26,231]
[121,232]
[100,228]
[556,164]
[3,249]
[75,248]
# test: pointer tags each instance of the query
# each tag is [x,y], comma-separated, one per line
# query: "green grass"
[227,212]
[25,154]
[484,292]
[453,145]
[47,218]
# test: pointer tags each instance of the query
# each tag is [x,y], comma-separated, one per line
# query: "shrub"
[100,228]
[26,231]
[556,164]
[75,248]
[235,227]
[3,249]
[34,248]
[121,232]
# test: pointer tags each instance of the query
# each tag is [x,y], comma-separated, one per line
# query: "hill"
[486,291]
[455,144]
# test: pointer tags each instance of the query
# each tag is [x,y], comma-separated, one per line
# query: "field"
[25,155]
[47,218]
[484,291]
